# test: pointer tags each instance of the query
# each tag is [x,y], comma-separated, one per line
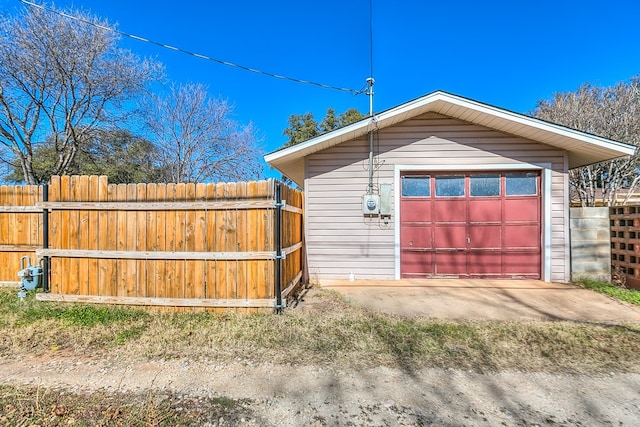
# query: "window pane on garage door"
[449,186]
[416,186]
[522,184]
[484,185]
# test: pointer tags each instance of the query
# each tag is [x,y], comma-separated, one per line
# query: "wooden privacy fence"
[20,228]
[181,245]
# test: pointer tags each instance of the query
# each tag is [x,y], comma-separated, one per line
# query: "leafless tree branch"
[61,80]
[197,138]
[611,112]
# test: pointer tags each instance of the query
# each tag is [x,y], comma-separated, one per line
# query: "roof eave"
[290,160]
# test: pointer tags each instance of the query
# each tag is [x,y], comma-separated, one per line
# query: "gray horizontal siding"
[340,241]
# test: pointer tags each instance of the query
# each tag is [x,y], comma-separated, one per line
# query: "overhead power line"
[197,55]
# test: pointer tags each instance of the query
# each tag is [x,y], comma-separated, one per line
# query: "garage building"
[457,188]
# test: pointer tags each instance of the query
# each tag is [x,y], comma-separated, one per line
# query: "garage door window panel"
[484,185]
[521,184]
[450,186]
[416,186]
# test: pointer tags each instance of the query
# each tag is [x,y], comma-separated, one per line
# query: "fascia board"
[622,148]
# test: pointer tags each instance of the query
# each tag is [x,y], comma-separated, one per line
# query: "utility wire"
[197,55]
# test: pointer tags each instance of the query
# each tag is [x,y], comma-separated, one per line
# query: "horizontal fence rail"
[187,245]
[151,206]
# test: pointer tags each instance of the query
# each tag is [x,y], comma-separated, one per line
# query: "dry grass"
[30,406]
[335,333]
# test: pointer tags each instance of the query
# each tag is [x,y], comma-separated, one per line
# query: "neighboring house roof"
[583,148]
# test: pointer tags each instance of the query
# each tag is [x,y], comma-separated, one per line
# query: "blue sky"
[506,53]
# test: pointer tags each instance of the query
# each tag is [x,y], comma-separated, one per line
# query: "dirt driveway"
[484,300]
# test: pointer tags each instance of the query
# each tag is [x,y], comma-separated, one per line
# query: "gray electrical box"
[371,204]
[385,199]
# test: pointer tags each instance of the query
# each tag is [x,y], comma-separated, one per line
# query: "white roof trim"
[583,148]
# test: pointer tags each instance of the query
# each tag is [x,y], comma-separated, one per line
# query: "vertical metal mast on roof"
[370,82]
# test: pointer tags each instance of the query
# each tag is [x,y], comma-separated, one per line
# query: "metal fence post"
[45,238]
[278,248]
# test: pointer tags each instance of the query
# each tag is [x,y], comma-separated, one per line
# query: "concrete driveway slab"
[459,299]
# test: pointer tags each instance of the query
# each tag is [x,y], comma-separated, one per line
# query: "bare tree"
[610,112]
[197,140]
[60,80]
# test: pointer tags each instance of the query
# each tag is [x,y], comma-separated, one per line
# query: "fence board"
[219,246]
[161,265]
[121,241]
[200,235]
[241,244]
[171,242]
[141,243]
[94,233]
[103,267]
[11,218]
[111,266]
[64,237]
[180,221]
[83,236]
[5,258]
[190,242]
[54,233]
[266,270]
[151,244]
[210,266]
[253,232]
[131,227]
[231,230]
[74,238]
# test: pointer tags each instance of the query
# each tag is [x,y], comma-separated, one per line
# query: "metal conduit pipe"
[370,82]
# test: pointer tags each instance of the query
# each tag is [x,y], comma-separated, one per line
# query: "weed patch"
[339,335]
[29,406]
[631,296]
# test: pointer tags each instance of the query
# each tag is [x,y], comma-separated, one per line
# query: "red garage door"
[484,225]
